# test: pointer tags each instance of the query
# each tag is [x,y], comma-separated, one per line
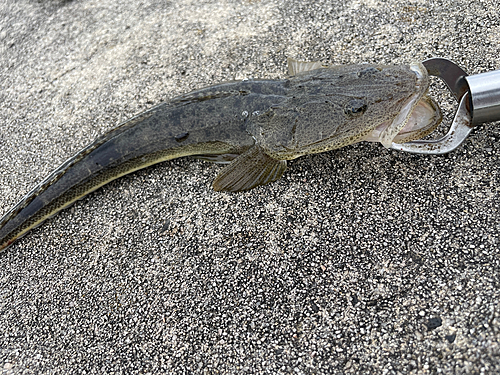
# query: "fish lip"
[419,70]
[388,134]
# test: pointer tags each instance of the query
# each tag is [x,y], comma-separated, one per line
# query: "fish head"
[336,106]
[417,117]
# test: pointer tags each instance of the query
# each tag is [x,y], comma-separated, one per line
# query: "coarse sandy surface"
[360,260]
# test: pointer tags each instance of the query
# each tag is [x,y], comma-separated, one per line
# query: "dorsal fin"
[295,66]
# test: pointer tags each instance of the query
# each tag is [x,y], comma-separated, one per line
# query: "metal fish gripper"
[478,96]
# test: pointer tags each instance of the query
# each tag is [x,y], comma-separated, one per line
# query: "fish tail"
[121,151]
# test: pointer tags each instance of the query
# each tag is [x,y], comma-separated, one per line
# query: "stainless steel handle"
[485,96]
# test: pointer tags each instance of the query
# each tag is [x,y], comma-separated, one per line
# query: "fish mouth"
[424,119]
[419,116]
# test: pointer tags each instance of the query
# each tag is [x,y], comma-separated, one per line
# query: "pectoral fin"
[250,169]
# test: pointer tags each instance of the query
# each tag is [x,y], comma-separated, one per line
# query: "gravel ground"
[361,260]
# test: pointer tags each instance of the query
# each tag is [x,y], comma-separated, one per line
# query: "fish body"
[254,125]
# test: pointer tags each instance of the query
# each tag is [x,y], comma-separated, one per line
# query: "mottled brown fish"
[254,125]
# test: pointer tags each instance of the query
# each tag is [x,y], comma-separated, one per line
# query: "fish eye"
[355,107]
[368,71]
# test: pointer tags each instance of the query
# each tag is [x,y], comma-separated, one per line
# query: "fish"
[253,125]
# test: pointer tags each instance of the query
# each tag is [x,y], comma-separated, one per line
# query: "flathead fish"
[255,125]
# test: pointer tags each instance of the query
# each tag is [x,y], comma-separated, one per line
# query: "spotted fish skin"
[256,125]
[210,121]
